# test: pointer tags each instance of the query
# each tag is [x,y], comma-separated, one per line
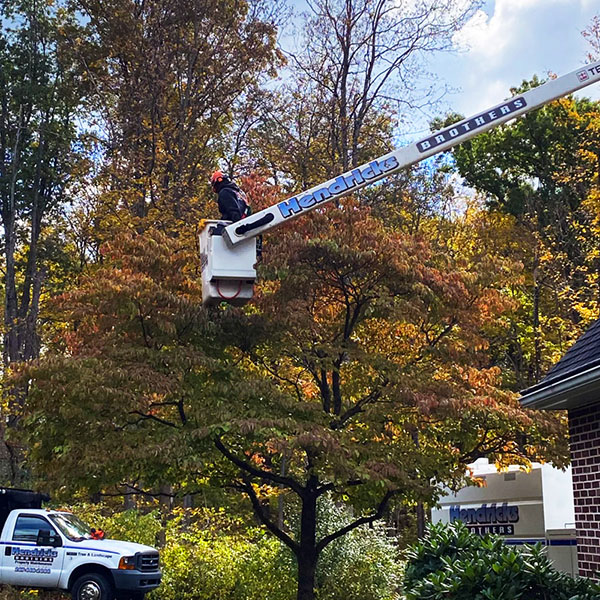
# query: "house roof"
[575,378]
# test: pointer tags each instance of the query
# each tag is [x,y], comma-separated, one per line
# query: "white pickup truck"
[55,550]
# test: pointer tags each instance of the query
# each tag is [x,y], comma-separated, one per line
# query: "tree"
[132,342]
[168,75]
[539,169]
[42,93]
[350,375]
[359,65]
[41,96]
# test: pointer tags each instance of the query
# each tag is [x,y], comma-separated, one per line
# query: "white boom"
[229,254]
[409,155]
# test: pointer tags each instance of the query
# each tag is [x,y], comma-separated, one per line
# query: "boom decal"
[464,127]
[341,185]
[590,71]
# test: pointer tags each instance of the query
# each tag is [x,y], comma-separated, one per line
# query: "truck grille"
[148,561]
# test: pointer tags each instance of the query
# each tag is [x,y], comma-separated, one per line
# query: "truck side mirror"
[48,538]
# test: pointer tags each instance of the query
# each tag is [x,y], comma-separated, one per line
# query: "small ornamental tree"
[349,375]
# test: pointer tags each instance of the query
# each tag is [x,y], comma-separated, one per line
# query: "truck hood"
[112,546]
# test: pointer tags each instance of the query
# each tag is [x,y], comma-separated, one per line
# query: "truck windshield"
[71,526]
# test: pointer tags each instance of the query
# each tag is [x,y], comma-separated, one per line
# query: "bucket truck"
[228,250]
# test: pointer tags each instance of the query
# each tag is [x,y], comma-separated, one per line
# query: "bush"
[216,564]
[215,558]
[362,565]
[130,525]
[452,563]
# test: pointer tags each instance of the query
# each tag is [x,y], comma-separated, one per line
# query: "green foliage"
[209,555]
[42,93]
[541,170]
[224,568]
[362,565]
[213,558]
[130,525]
[452,563]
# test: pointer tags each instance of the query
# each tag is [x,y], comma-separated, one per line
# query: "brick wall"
[584,428]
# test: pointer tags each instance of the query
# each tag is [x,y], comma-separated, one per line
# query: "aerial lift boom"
[229,254]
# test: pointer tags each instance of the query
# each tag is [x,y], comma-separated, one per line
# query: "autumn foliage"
[389,334]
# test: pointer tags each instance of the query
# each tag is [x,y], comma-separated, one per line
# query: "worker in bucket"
[232,202]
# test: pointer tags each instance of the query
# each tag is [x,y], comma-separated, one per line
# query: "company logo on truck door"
[342,184]
[453,132]
[33,555]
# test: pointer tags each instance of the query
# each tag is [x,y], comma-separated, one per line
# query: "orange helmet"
[216,177]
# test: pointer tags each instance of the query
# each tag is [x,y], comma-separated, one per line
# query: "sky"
[506,42]
[511,40]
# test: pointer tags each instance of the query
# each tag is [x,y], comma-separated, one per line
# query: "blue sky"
[505,42]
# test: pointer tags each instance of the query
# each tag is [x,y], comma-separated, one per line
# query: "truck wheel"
[92,586]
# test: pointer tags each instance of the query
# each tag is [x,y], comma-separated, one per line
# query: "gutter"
[574,391]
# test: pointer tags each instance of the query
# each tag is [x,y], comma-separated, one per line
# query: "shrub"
[207,554]
[362,565]
[200,564]
[130,525]
[224,562]
[452,563]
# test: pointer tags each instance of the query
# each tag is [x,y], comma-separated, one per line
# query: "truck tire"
[92,586]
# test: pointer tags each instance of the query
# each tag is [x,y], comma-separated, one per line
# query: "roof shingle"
[583,355]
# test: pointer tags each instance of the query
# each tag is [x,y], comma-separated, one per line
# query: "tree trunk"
[11,345]
[307,557]
[165,499]
[280,501]
[307,567]
[537,334]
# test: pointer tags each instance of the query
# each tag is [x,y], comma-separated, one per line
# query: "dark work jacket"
[231,205]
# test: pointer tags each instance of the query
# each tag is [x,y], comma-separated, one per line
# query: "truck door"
[24,562]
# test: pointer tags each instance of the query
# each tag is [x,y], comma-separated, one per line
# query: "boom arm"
[409,155]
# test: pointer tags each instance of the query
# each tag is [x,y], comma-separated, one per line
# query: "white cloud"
[512,40]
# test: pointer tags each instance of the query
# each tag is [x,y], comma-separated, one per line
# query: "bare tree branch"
[255,472]
[358,522]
